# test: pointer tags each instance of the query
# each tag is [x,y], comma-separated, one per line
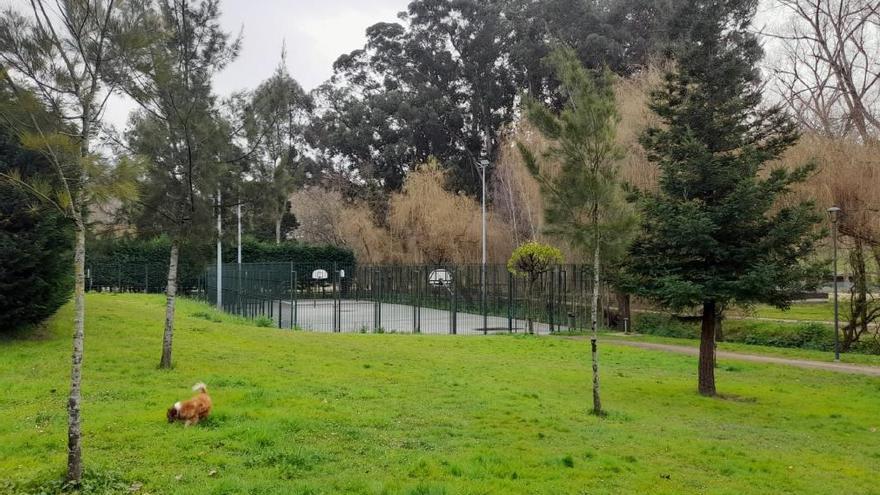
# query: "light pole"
[484,163]
[219,255]
[834,212]
[239,231]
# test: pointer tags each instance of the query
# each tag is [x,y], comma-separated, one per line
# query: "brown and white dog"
[194,410]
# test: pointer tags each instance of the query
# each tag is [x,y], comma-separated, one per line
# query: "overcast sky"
[316,33]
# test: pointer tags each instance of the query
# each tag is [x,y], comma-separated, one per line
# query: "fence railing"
[402,298]
[152,278]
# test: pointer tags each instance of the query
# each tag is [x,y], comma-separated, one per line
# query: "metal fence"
[152,278]
[402,298]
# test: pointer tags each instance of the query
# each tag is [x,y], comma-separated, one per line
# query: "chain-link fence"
[151,278]
[452,299]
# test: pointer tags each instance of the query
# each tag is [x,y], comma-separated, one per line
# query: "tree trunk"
[858,301]
[594,306]
[597,403]
[170,294]
[706,381]
[624,311]
[719,327]
[74,431]
[278,230]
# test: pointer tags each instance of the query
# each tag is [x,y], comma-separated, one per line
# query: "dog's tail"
[201,387]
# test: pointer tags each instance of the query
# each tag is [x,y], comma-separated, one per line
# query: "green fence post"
[510,287]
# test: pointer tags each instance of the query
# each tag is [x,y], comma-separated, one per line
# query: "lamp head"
[833,212]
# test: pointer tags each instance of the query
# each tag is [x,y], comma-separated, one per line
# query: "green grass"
[300,412]
[784,352]
[804,311]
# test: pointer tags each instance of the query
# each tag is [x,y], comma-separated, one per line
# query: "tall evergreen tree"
[716,232]
[584,200]
[178,128]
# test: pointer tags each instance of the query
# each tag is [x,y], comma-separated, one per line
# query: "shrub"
[142,264]
[36,261]
[264,321]
[803,335]
[809,335]
[665,326]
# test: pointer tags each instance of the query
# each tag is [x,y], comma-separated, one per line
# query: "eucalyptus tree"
[178,128]
[58,56]
[445,80]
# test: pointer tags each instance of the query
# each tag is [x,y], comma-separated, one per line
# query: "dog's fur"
[194,410]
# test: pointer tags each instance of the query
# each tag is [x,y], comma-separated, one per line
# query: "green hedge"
[142,265]
[807,335]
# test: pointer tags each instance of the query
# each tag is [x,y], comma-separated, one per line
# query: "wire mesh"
[430,299]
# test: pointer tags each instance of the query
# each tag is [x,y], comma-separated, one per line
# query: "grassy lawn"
[376,414]
[804,311]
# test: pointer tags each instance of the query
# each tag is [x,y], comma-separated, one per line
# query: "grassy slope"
[318,413]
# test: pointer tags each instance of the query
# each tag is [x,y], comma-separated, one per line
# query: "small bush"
[665,326]
[207,315]
[803,336]
[809,335]
[263,321]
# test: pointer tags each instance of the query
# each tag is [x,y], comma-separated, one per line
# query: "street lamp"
[834,212]
[483,165]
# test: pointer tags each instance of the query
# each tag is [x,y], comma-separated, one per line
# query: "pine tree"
[584,200]
[716,232]
[178,128]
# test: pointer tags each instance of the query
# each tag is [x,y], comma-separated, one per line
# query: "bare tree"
[59,51]
[829,73]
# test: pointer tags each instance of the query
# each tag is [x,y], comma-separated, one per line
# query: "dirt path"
[855,369]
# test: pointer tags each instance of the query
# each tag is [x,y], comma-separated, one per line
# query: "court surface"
[362,316]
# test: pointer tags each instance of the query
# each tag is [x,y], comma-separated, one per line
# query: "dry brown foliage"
[425,224]
[516,195]
[848,176]
[633,95]
[432,225]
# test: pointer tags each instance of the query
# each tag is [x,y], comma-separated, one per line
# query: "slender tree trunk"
[719,327]
[278,230]
[706,380]
[170,294]
[74,430]
[597,403]
[594,305]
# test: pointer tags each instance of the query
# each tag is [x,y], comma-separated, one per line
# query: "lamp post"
[219,255]
[238,208]
[484,163]
[834,212]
